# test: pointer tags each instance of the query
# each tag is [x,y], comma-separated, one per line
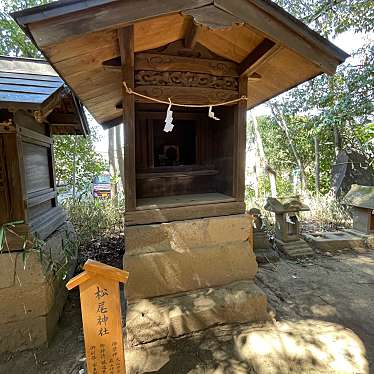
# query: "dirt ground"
[323,307]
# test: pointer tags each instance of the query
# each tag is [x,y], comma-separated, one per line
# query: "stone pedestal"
[32,297]
[287,226]
[188,275]
[348,239]
[261,246]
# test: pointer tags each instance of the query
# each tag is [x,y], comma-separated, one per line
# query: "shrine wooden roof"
[79,36]
[32,84]
[286,204]
[360,196]
[27,81]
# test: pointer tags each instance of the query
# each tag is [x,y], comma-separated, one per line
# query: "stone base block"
[262,248]
[172,316]
[337,240]
[188,255]
[165,273]
[260,240]
[294,249]
[266,255]
[32,332]
[183,235]
[32,296]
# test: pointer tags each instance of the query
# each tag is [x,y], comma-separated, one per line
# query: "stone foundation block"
[181,269]
[337,240]
[8,269]
[32,296]
[172,316]
[183,235]
[182,256]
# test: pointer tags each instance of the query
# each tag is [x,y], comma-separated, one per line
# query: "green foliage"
[337,109]
[77,155]
[93,218]
[332,17]
[13,41]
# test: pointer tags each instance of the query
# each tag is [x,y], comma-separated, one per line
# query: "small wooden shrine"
[361,198]
[287,225]
[34,104]
[180,75]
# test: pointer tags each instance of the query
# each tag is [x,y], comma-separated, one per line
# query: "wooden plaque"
[102,318]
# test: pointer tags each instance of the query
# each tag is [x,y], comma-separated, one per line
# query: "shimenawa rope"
[169,113]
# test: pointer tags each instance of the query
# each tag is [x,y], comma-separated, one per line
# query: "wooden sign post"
[101,314]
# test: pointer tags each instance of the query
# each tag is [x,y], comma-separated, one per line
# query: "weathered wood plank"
[19,88]
[143,217]
[233,43]
[277,76]
[186,95]
[212,17]
[36,136]
[301,28]
[113,15]
[16,97]
[37,175]
[277,29]
[29,82]
[41,199]
[45,78]
[190,36]
[126,46]
[259,55]
[13,177]
[159,62]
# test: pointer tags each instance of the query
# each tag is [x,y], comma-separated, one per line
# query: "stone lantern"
[287,227]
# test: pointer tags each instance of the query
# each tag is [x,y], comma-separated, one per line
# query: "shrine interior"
[189,165]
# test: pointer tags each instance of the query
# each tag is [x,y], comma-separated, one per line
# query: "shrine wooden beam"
[63,118]
[191,35]
[159,62]
[186,95]
[258,56]
[126,47]
[113,122]
[96,18]
[282,28]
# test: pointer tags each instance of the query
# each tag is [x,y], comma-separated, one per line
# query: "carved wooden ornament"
[101,315]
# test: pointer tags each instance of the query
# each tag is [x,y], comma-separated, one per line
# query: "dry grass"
[94,218]
[326,213]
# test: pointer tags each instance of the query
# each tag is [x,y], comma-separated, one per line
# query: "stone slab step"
[176,315]
[294,249]
[336,240]
[260,240]
[266,255]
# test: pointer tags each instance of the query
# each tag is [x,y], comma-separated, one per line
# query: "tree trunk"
[75,169]
[120,159]
[317,166]
[337,140]
[112,160]
[263,162]
[278,115]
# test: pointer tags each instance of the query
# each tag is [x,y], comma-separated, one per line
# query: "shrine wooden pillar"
[126,47]
[240,134]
